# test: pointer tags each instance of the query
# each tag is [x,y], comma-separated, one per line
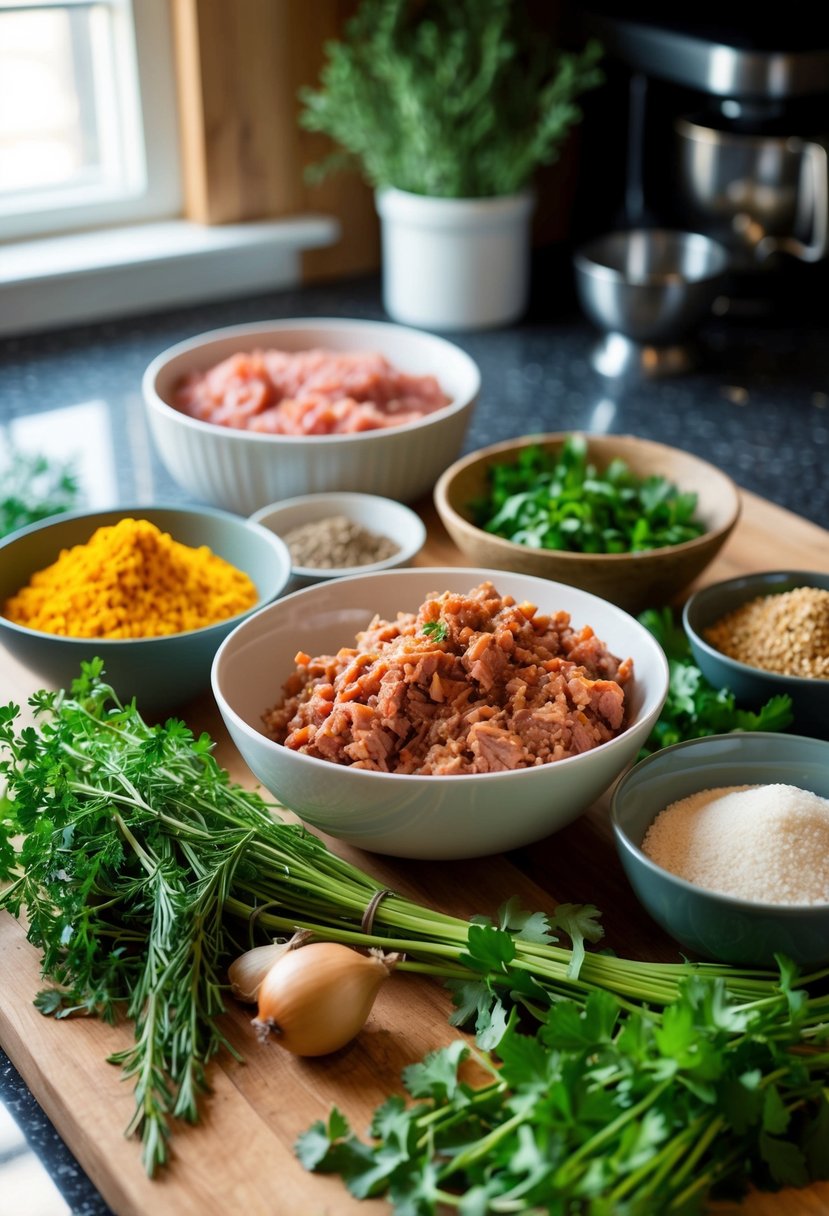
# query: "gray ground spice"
[336,542]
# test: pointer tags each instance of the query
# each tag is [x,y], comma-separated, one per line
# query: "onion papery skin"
[316,999]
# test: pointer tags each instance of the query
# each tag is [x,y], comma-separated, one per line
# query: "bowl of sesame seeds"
[763,635]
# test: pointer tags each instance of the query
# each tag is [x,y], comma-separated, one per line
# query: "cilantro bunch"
[562,501]
[604,1111]
[694,707]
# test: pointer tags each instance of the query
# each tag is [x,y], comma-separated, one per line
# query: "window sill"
[87,276]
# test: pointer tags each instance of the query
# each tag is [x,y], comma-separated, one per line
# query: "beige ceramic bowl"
[634,581]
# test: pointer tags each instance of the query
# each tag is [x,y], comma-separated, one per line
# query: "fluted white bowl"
[242,470]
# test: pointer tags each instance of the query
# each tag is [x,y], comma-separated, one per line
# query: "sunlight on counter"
[25,1187]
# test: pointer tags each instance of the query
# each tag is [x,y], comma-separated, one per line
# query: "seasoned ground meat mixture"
[469,684]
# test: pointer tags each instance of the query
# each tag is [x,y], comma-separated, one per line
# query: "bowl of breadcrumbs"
[765,635]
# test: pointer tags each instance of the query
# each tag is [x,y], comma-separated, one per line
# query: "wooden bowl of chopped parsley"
[630,520]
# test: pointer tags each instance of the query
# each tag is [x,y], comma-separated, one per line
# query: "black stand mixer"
[717,125]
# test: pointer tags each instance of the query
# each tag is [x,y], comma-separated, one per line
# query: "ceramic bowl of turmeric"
[151,591]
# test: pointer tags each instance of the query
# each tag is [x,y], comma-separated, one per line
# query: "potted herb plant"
[448,107]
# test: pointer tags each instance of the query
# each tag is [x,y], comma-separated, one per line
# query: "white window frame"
[143,53]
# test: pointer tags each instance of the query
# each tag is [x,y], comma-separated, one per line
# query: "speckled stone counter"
[757,405]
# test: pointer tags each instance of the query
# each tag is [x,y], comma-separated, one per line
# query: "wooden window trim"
[239,66]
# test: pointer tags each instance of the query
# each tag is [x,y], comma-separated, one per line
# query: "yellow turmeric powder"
[131,580]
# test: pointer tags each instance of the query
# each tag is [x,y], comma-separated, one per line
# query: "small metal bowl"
[648,288]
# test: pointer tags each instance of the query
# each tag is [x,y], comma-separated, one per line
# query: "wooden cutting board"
[239,1160]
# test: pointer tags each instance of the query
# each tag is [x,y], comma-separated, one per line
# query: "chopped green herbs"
[693,707]
[33,488]
[561,501]
[438,631]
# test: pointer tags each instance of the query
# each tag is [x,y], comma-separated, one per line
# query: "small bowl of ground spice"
[336,535]
[150,591]
[725,841]
[764,635]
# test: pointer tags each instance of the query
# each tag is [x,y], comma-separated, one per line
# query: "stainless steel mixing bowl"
[648,289]
[653,285]
[758,194]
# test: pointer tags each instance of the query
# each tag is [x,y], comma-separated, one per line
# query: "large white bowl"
[243,471]
[465,815]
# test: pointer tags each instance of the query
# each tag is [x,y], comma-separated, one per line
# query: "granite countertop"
[757,405]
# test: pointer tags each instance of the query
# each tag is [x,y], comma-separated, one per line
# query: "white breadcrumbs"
[768,843]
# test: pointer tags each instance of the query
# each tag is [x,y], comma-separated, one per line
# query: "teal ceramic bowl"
[751,685]
[161,673]
[714,926]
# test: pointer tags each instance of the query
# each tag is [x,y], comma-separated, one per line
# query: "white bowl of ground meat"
[248,415]
[439,712]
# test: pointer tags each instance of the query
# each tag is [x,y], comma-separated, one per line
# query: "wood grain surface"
[239,1160]
[239,68]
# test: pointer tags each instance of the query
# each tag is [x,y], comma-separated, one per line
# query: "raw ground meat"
[311,392]
[491,685]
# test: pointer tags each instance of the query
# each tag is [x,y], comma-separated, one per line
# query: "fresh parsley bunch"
[606,1110]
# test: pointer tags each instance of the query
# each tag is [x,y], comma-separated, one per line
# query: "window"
[93,217]
[88,122]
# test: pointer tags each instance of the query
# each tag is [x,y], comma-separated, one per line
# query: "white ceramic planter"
[455,263]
